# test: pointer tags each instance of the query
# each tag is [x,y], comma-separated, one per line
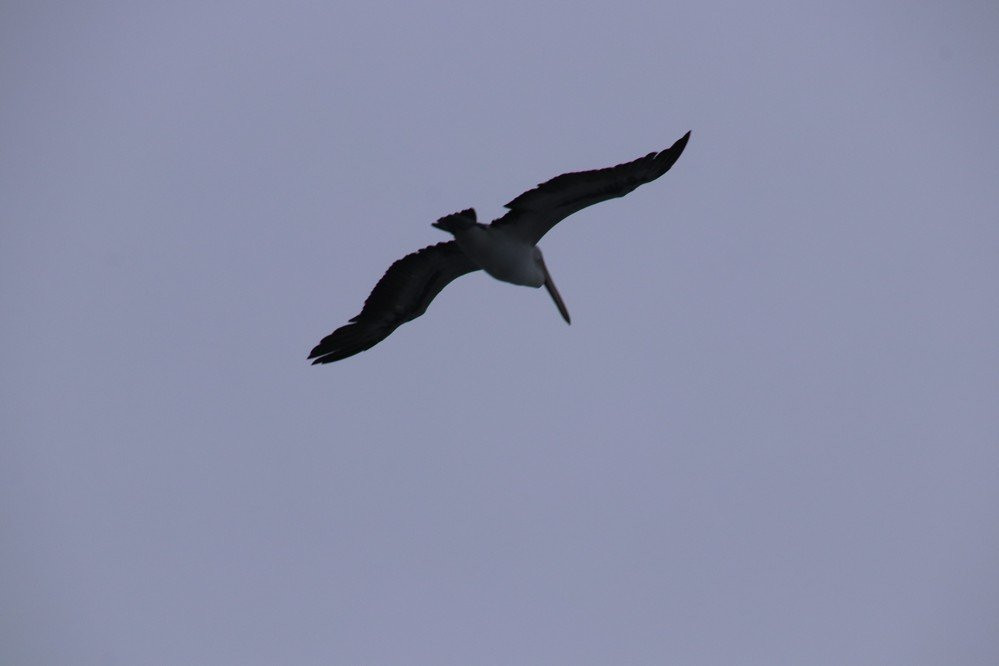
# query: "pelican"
[506,249]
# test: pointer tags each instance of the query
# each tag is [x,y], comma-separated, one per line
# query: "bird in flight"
[506,249]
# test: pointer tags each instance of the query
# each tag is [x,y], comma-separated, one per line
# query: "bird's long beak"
[553,292]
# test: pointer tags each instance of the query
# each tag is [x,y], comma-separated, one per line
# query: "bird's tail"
[456,222]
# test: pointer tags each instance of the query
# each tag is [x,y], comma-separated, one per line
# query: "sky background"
[770,436]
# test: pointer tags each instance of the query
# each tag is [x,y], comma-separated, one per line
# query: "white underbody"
[502,256]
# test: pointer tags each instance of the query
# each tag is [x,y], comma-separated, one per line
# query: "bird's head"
[539,261]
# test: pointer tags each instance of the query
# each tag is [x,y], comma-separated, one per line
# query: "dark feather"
[535,212]
[403,294]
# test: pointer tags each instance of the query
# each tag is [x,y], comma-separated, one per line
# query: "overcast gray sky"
[770,435]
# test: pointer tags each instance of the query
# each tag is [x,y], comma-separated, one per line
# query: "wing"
[536,211]
[403,294]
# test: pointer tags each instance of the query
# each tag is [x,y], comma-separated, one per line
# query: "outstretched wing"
[536,211]
[403,294]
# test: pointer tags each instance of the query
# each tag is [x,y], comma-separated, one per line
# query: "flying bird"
[506,249]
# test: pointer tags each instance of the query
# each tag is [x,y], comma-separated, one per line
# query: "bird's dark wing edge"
[401,295]
[535,212]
